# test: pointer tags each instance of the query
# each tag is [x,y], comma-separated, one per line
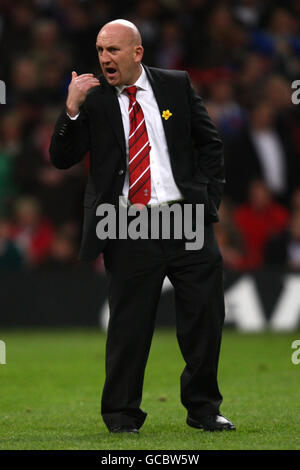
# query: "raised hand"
[78,88]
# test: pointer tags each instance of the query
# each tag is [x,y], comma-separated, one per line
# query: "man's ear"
[139,52]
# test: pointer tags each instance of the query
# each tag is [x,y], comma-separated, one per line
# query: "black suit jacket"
[196,150]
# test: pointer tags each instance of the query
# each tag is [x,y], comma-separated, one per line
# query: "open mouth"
[111,72]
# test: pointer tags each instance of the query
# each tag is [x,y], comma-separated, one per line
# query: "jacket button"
[121,172]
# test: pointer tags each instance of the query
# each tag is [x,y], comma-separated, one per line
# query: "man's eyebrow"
[109,47]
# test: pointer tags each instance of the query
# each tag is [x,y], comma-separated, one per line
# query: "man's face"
[119,55]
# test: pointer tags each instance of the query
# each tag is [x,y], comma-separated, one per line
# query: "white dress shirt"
[163,186]
[271,157]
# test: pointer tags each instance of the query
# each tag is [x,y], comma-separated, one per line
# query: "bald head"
[125,28]
[120,52]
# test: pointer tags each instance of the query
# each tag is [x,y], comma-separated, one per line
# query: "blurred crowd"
[242,56]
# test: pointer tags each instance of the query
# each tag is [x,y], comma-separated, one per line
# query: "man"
[150,140]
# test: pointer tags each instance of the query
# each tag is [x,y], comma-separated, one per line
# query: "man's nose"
[105,57]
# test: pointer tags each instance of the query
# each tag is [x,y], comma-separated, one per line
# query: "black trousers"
[136,270]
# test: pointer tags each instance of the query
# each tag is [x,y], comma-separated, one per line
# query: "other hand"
[78,88]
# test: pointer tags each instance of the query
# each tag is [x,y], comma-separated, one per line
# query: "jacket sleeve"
[209,147]
[70,141]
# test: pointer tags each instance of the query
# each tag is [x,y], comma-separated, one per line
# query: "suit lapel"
[161,92]
[112,109]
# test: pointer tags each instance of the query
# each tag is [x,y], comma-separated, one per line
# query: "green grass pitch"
[50,390]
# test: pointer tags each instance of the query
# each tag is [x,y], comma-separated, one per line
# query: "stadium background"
[242,56]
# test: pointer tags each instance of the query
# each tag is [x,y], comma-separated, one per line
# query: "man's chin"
[113,80]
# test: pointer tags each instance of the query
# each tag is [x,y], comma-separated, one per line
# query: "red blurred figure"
[32,232]
[258,220]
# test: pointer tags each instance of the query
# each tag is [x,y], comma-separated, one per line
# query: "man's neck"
[136,77]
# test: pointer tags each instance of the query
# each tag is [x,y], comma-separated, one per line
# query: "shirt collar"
[142,83]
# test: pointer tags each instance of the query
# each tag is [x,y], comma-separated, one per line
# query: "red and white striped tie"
[139,149]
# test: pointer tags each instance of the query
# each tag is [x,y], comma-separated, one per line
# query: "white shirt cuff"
[73,118]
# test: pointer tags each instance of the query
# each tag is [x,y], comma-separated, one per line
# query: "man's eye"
[112,49]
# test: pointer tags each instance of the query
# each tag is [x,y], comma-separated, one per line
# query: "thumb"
[74,74]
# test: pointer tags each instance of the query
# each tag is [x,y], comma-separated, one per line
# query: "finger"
[84,75]
[84,79]
[86,83]
[95,84]
[74,74]
[87,86]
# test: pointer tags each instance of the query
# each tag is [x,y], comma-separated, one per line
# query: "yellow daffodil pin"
[166,114]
